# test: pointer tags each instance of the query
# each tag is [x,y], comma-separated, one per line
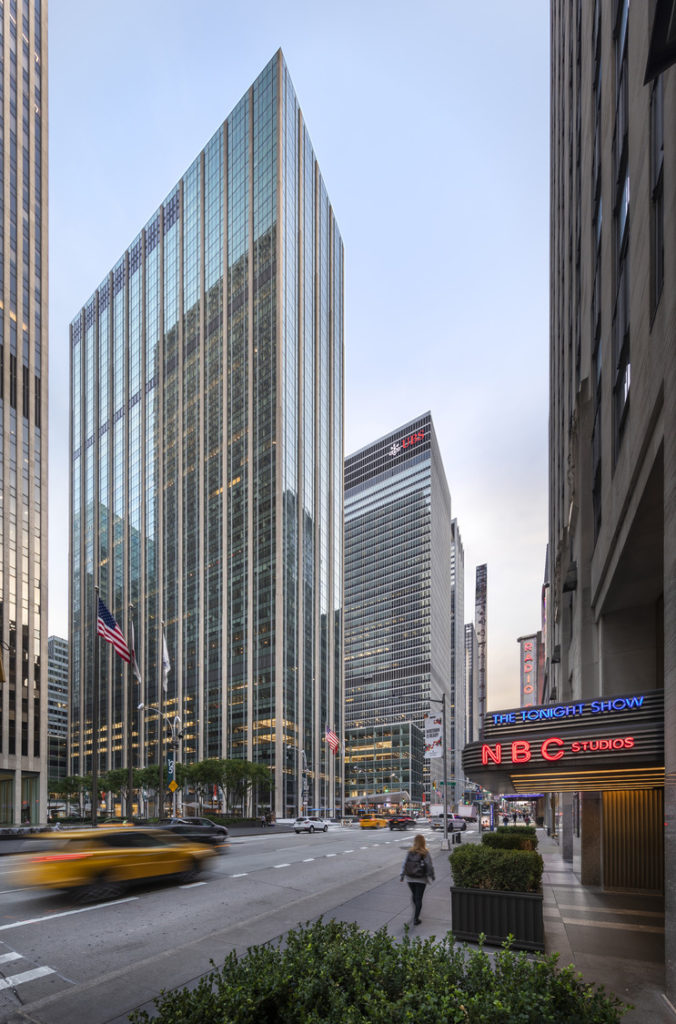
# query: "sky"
[430,123]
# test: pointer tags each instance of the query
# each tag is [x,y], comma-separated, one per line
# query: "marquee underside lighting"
[591,781]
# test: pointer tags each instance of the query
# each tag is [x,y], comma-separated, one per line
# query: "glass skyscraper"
[398,543]
[23,411]
[207,454]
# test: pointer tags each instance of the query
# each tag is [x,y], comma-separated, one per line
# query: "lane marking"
[191,885]
[20,979]
[348,851]
[331,854]
[281,866]
[307,860]
[8,957]
[66,913]
[242,874]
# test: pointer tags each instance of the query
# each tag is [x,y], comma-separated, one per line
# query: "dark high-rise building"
[481,626]
[471,683]
[611,615]
[57,707]
[458,713]
[23,413]
[207,455]
[398,542]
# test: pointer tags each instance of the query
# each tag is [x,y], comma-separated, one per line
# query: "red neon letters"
[552,749]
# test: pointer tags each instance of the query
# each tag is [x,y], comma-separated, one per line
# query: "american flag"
[107,627]
[332,740]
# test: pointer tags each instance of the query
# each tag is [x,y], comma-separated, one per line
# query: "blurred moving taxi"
[98,864]
[370,821]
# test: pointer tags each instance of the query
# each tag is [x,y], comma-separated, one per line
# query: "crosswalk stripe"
[6,958]
[21,979]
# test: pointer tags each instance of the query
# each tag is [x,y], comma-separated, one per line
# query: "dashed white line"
[281,865]
[191,885]
[20,979]
[242,874]
[307,860]
[331,854]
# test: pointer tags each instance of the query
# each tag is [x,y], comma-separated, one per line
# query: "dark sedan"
[401,821]
[197,830]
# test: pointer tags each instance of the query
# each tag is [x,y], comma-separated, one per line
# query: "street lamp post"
[176,727]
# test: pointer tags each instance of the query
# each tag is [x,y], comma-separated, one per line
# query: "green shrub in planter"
[480,867]
[521,830]
[336,973]
[509,841]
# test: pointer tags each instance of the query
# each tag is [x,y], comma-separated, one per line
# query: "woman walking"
[419,872]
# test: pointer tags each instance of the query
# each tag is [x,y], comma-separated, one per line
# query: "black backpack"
[415,866]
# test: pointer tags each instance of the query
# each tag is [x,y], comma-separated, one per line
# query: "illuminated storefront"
[609,748]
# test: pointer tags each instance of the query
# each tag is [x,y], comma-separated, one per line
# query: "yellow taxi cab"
[97,864]
[371,821]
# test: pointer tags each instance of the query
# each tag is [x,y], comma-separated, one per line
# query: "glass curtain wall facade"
[57,707]
[207,397]
[23,411]
[397,589]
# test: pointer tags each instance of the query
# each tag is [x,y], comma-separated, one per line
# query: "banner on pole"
[433,736]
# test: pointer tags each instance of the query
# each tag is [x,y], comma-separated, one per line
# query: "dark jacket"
[429,877]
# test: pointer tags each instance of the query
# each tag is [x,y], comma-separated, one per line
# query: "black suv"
[401,821]
[197,830]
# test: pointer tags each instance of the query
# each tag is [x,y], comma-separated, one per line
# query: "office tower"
[23,413]
[207,462]
[57,707]
[612,457]
[481,625]
[458,714]
[471,683]
[397,607]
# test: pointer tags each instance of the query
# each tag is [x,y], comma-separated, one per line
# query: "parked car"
[197,830]
[371,821]
[401,821]
[310,824]
[455,823]
[98,864]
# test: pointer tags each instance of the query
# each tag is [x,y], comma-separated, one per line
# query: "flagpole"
[130,723]
[161,720]
[95,715]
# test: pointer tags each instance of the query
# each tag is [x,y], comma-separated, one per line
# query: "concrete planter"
[497,915]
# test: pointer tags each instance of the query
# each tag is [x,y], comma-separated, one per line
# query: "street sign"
[173,785]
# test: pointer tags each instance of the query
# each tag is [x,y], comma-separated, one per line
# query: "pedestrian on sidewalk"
[418,871]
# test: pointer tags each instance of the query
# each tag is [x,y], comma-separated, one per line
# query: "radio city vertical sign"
[528,665]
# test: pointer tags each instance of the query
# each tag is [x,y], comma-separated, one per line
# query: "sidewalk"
[613,939]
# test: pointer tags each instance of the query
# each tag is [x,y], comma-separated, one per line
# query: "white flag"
[134,663]
[166,664]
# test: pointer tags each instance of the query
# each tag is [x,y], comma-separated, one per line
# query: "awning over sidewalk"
[399,796]
[614,742]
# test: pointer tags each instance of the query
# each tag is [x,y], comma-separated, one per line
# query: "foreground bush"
[521,830]
[480,867]
[509,841]
[336,973]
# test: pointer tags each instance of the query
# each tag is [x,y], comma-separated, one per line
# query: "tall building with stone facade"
[23,412]
[207,460]
[612,612]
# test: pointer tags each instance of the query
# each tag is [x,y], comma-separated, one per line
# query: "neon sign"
[552,749]
[594,707]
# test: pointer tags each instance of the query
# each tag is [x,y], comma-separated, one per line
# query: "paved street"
[60,962]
